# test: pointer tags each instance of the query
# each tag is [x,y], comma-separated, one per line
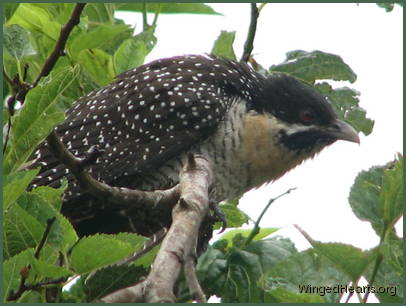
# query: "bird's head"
[307,120]
[290,122]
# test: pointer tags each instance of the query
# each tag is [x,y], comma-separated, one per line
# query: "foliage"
[41,248]
[389,6]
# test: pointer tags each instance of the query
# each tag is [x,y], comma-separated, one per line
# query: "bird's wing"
[148,116]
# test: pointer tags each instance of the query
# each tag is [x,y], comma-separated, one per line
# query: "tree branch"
[60,44]
[249,43]
[118,195]
[256,228]
[180,242]
[25,271]
[21,89]
[41,244]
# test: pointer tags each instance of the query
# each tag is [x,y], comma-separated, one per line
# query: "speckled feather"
[148,116]
[251,127]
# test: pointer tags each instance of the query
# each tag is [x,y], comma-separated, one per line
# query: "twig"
[7,78]
[7,134]
[148,246]
[15,295]
[157,12]
[41,244]
[60,44]
[23,288]
[24,272]
[21,89]
[144,17]
[157,238]
[255,230]
[261,7]
[378,262]
[249,43]
[180,241]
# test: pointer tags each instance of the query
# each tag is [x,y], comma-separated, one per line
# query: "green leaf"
[389,280]
[345,102]
[84,259]
[59,12]
[387,6]
[241,284]
[364,197]
[211,270]
[137,241]
[9,9]
[263,232]
[45,269]
[248,265]
[303,273]
[377,195]
[12,268]
[271,250]
[392,250]
[98,64]
[99,13]
[148,38]
[282,295]
[35,19]
[39,204]
[15,184]
[31,297]
[234,216]
[52,195]
[391,195]
[168,8]
[42,110]
[21,231]
[109,279]
[223,46]
[346,258]
[17,41]
[130,54]
[315,65]
[99,37]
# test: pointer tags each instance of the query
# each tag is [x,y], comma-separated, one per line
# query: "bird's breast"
[244,152]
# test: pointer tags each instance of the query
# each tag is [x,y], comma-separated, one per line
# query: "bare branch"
[155,240]
[249,43]
[256,228]
[60,44]
[41,244]
[180,242]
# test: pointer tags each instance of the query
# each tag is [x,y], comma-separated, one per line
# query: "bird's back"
[145,123]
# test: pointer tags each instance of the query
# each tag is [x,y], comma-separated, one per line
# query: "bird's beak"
[344,131]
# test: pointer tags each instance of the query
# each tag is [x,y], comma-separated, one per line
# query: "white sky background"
[370,41]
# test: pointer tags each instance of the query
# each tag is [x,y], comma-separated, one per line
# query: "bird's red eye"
[307,116]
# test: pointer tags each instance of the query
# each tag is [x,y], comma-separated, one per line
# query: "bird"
[252,127]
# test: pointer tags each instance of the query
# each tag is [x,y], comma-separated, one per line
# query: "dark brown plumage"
[253,128]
